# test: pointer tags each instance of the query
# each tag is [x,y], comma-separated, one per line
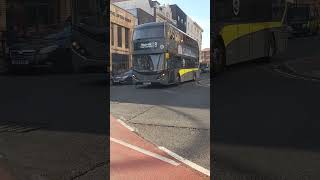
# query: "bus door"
[170,67]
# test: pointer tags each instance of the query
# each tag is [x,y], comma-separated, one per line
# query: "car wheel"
[76,68]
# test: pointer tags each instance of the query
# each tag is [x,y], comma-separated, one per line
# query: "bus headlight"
[76,45]
[162,76]
[134,77]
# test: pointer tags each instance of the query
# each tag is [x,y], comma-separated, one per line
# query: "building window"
[119,36]
[127,37]
[112,35]
[178,18]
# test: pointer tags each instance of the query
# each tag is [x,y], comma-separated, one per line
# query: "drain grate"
[19,128]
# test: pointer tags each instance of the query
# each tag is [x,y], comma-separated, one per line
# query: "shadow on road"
[188,94]
[57,102]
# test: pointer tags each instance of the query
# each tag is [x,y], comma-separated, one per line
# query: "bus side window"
[183,62]
[178,63]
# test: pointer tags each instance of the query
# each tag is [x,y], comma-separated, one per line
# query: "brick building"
[205,56]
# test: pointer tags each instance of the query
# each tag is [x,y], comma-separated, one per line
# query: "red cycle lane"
[5,172]
[133,158]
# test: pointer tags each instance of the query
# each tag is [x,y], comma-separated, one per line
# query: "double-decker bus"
[89,34]
[162,54]
[247,29]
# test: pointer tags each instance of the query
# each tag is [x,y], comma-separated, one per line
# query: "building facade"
[163,13]
[180,17]
[122,24]
[205,56]
[194,30]
[142,9]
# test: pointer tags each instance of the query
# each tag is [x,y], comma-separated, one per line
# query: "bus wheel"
[178,79]
[194,77]
[271,48]
[219,59]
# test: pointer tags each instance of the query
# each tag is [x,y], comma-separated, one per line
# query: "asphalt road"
[175,117]
[266,125]
[54,126]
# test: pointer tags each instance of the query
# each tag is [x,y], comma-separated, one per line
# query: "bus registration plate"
[147,83]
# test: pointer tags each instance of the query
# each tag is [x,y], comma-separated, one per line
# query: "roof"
[149,24]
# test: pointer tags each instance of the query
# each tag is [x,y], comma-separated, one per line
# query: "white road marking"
[170,92]
[185,161]
[125,125]
[157,156]
[295,76]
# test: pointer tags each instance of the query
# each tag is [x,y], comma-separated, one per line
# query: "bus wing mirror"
[167,56]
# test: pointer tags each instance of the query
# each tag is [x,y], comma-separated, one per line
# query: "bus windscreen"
[147,63]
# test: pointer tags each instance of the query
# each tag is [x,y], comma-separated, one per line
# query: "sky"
[199,11]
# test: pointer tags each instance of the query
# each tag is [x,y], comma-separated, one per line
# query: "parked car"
[50,48]
[204,68]
[303,20]
[122,78]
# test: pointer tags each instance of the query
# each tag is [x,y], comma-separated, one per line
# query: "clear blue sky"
[199,11]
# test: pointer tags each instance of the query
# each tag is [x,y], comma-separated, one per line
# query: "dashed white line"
[125,125]
[187,162]
[157,156]
[295,76]
[170,92]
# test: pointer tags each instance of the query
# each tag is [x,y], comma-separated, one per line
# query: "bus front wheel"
[271,47]
[178,79]
[194,77]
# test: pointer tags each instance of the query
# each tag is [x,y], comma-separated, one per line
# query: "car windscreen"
[298,13]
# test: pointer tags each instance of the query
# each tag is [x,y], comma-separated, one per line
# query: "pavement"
[133,157]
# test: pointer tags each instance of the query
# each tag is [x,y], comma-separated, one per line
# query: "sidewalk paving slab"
[309,67]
